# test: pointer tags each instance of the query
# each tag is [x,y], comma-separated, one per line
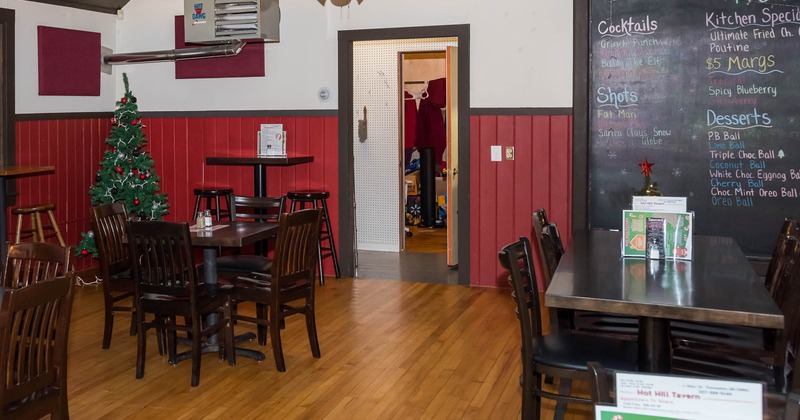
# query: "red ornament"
[113,120]
[124,100]
[84,252]
[646,167]
[134,122]
[118,169]
[142,177]
[136,202]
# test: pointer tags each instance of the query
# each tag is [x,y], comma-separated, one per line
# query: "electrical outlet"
[509,152]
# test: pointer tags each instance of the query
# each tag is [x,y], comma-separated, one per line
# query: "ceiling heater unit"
[218,21]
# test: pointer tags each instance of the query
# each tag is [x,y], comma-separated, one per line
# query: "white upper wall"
[27,17]
[521,53]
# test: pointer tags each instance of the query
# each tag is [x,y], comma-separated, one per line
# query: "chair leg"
[19,228]
[331,245]
[39,235]
[196,334]
[230,351]
[262,314]
[319,259]
[534,401]
[108,325]
[133,324]
[140,346]
[311,326]
[196,206]
[275,335]
[564,386]
[54,225]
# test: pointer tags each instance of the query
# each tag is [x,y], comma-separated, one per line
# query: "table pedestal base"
[214,348]
[654,345]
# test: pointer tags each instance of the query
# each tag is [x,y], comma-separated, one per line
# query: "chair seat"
[308,195]
[264,283]
[213,190]
[244,263]
[572,350]
[717,334]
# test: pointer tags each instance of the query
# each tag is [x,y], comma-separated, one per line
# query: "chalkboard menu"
[709,92]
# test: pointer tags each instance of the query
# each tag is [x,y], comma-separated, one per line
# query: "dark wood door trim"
[346,174]
[7,99]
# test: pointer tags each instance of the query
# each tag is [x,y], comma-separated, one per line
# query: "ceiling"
[104,6]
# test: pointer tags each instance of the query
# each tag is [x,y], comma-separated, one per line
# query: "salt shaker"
[200,220]
[207,219]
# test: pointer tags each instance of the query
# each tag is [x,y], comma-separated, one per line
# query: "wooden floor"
[429,240]
[390,349]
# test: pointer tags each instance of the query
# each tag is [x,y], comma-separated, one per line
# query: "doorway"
[349,127]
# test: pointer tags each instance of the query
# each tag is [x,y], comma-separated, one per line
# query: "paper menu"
[271,140]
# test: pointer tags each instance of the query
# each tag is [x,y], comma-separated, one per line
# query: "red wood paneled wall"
[503,194]
[75,148]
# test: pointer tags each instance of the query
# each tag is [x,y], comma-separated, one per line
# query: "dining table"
[7,172]
[259,164]
[717,285]
[234,234]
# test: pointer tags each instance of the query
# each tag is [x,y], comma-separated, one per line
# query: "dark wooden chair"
[109,223]
[562,355]
[257,209]
[33,349]
[31,262]
[693,334]
[769,364]
[551,249]
[167,286]
[289,288]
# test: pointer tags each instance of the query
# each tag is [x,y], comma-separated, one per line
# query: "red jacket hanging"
[430,131]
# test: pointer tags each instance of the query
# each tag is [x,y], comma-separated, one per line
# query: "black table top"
[717,285]
[234,234]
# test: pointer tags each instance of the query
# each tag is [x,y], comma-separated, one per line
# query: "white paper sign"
[271,140]
[659,204]
[689,398]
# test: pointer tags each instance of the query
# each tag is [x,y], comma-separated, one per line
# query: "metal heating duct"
[221,50]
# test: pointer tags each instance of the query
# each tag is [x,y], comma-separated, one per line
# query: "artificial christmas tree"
[126,172]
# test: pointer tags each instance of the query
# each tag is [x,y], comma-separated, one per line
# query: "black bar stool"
[318,199]
[212,196]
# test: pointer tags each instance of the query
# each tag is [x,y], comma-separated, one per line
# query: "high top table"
[7,172]
[718,285]
[259,164]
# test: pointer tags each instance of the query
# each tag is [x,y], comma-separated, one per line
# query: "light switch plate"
[509,152]
[497,153]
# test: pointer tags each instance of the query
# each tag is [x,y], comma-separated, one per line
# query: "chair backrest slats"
[296,246]
[789,228]
[549,244]
[517,259]
[33,341]
[162,258]
[265,209]
[31,262]
[108,223]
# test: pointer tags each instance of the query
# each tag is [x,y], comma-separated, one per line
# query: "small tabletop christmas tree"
[126,172]
[649,188]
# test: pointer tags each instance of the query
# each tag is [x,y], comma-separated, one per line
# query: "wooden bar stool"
[318,199]
[37,230]
[212,195]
